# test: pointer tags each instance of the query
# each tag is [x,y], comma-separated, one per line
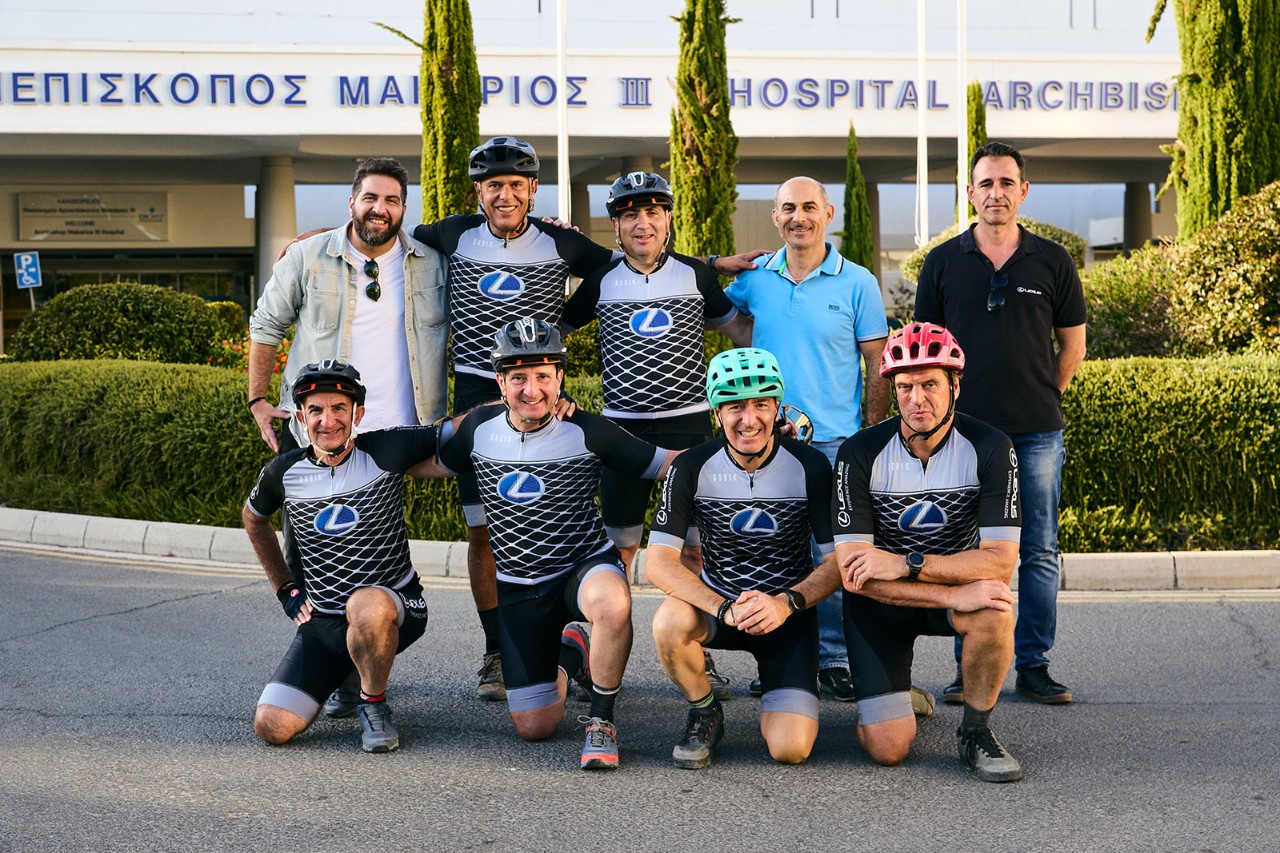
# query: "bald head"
[801,213]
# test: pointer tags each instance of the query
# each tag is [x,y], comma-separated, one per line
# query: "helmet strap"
[946,419]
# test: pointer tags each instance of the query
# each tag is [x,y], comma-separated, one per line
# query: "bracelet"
[723,611]
[256,400]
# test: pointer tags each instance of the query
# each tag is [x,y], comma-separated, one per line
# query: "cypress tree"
[1228,105]
[704,149]
[856,243]
[977,124]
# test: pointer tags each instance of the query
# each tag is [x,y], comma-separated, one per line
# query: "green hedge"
[1162,453]
[122,320]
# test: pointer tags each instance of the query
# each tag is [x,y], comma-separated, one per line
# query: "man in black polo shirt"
[1015,303]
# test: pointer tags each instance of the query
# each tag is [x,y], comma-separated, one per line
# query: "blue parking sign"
[27,265]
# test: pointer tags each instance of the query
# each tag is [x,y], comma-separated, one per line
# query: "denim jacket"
[315,286]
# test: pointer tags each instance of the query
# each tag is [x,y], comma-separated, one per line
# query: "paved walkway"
[1155,570]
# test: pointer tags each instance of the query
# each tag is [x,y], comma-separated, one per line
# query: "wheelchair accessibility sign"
[27,265]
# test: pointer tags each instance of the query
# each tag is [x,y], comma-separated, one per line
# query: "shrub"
[1161,453]
[1127,302]
[131,321]
[233,353]
[1074,243]
[231,319]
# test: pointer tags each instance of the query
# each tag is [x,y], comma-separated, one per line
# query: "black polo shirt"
[1011,370]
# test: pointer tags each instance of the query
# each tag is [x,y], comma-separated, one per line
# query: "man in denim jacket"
[366,293]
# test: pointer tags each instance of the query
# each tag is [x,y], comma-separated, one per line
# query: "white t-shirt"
[379,348]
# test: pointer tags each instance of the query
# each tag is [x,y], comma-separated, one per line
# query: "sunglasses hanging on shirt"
[373,290]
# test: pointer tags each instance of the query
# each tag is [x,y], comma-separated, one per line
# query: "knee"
[790,753]
[608,604]
[273,727]
[674,623]
[371,607]
[534,730]
[888,746]
[989,626]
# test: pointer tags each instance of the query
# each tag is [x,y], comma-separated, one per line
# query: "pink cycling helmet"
[921,345]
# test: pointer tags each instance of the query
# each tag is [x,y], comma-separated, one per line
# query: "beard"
[377,238]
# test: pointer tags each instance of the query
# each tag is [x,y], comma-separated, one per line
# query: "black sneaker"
[719,684]
[836,683]
[953,693]
[1036,684]
[376,732]
[981,751]
[702,732]
[754,687]
[344,701]
[491,687]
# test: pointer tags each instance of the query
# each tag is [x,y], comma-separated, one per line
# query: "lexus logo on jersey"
[500,285]
[336,519]
[753,522]
[922,517]
[651,322]
[519,487]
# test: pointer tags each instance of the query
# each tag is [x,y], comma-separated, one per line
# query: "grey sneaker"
[600,749]
[953,693]
[922,703]
[719,684]
[492,688]
[377,733]
[702,731]
[981,751]
[343,701]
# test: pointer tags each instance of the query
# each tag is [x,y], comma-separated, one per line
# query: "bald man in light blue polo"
[818,312]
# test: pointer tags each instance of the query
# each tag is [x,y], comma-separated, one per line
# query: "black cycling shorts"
[787,657]
[881,641]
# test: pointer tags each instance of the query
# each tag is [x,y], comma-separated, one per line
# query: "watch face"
[915,561]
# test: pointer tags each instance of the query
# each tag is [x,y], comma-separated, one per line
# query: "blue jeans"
[831,647]
[1040,458]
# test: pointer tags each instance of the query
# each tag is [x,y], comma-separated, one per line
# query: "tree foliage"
[1228,105]
[977,125]
[856,243]
[704,149]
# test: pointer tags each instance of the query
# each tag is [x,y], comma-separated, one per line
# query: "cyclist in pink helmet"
[927,523]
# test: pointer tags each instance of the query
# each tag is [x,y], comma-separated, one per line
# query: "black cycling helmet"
[527,341]
[639,188]
[503,155]
[328,375]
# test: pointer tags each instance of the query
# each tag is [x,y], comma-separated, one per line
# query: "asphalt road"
[127,686]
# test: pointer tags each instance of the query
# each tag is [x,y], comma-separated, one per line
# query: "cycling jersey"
[539,488]
[966,492]
[755,527]
[493,280]
[651,333]
[348,519]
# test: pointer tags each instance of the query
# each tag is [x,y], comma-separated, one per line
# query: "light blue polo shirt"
[813,328]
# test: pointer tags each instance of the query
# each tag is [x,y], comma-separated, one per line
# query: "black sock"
[602,701]
[708,701]
[973,718]
[489,622]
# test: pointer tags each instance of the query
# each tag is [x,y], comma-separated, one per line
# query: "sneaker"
[953,693]
[836,683]
[600,750]
[981,751]
[344,701]
[922,703]
[491,688]
[1036,684]
[704,729]
[754,687]
[377,735]
[575,635]
[719,684]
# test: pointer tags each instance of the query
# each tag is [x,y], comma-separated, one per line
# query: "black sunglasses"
[995,299]
[373,290]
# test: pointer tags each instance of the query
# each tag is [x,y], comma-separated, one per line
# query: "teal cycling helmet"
[743,374]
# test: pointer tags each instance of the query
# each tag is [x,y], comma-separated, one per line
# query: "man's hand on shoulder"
[731,265]
[561,223]
[264,414]
[303,236]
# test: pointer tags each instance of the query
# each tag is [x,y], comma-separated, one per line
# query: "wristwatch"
[795,600]
[915,562]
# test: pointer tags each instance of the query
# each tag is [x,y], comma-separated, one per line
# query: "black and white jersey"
[493,281]
[348,520]
[755,527]
[539,488]
[651,333]
[967,492]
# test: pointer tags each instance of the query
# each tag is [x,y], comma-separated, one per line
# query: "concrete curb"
[1159,570]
